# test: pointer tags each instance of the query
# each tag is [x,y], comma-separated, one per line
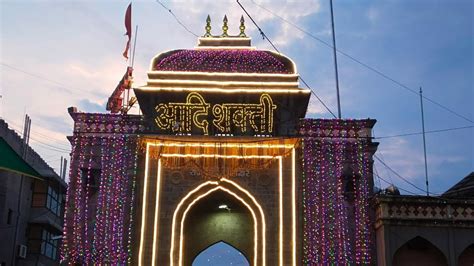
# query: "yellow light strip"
[264,239]
[176,211]
[219,156]
[221,74]
[222,145]
[157,205]
[221,83]
[280,169]
[225,47]
[221,90]
[204,195]
[145,187]
[293,203]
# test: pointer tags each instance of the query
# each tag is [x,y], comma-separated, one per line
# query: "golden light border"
[280,158]
[220,74]
[224,83]
[143,222]
[222,90]
[293,203]
[157,204]
[222,145]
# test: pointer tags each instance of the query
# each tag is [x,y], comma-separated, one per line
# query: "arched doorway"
[220,254]
[467,256]
[419,251]
[215,218]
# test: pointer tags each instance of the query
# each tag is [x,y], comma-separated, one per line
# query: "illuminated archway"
[215,218]
[177,252]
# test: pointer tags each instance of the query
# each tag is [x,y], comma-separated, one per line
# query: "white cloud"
[373,14]
[195,13]
[408,161]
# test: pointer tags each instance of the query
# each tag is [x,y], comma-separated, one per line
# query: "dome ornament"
[225,27]
[208,27]
[242,27]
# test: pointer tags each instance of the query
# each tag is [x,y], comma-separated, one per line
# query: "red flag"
[128,26]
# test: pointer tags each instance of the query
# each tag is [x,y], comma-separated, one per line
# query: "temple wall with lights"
[223,125]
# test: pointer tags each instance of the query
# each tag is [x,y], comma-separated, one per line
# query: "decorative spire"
[208,27]
[242,27]
[225,27]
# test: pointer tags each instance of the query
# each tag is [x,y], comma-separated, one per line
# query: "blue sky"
[75,47]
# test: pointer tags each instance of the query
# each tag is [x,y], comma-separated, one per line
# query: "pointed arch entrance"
[215,218]
[252,243]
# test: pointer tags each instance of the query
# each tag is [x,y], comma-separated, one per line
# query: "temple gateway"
[222,153]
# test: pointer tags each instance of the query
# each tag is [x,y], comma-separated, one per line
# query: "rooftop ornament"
[225,29]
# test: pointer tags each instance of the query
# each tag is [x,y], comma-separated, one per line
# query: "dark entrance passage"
[218,228]
[220,254]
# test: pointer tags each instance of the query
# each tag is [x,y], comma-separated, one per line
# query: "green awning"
[11,161]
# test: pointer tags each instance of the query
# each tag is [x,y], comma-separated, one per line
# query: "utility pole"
[335,62]
[424,141]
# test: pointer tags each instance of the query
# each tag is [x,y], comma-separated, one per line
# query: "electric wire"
[373,69]
[380,73]
[377,175]
[17,129]
[399,188]
[427,132]
[44,144]
[265,37]
[177,19]
[398,175]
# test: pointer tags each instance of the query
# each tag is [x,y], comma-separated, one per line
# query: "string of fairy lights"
[328,237]
[100,232]
[229,61]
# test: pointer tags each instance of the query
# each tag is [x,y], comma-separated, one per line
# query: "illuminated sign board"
[226,118]
[189,112]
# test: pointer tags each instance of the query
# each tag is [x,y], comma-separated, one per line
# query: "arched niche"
[185,229]
[220,254]
[216,217]
[419,251]
[467,256]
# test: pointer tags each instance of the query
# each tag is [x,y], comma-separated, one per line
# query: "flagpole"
[134,44]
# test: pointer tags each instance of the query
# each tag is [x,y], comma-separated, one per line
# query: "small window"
[49,246]
[54,201]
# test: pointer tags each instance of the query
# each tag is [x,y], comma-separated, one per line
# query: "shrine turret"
[223,86]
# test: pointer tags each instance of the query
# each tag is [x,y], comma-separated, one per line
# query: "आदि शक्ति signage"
[225,118]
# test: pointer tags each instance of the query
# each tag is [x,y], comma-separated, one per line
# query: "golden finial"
[225,27]
[242,27]
[208,27]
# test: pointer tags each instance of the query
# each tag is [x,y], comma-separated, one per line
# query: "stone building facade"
[422,230]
